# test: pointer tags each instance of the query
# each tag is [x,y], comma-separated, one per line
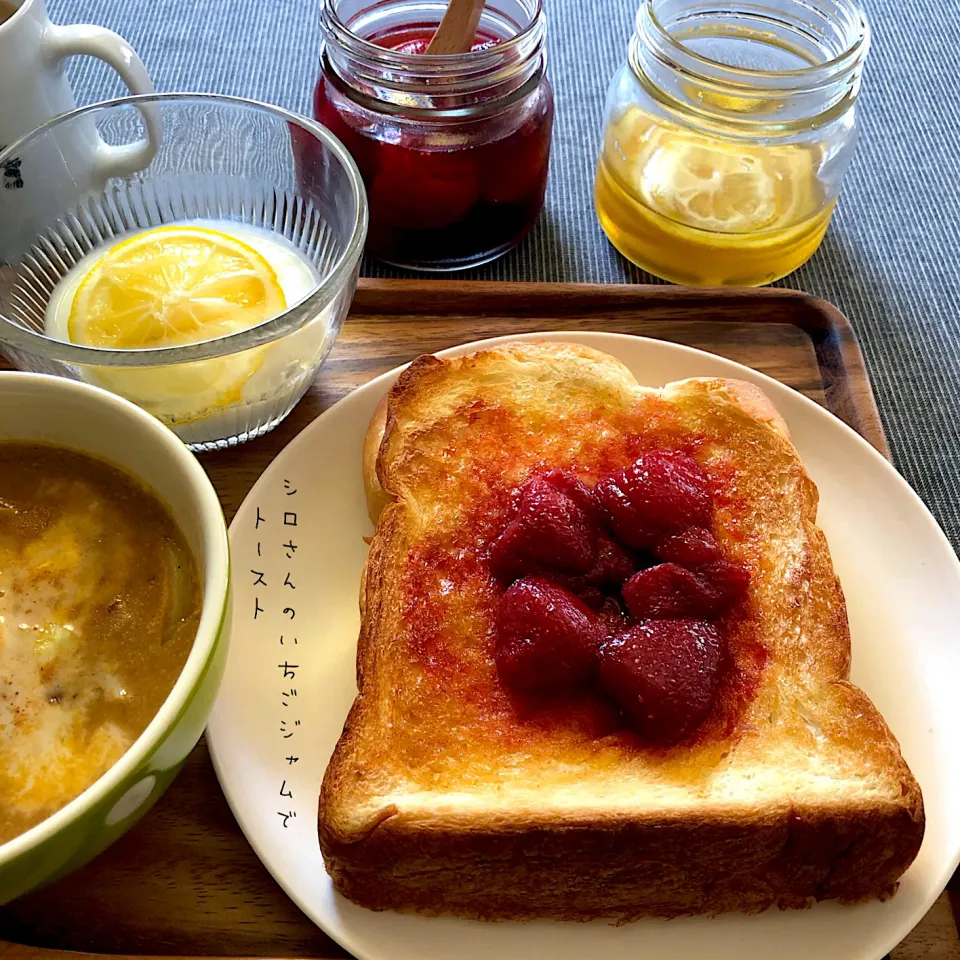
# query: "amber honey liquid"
[703,211]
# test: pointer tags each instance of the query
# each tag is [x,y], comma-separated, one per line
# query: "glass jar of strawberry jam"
[453,149]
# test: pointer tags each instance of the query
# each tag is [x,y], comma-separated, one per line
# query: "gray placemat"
[890,261]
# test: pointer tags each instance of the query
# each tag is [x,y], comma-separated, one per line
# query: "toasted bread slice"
[447,793]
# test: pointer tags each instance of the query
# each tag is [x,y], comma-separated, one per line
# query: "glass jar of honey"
[727,134]
[453,149]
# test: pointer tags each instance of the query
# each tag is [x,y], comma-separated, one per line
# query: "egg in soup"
[99,605]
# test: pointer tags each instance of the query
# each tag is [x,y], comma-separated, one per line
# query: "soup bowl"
[45,409]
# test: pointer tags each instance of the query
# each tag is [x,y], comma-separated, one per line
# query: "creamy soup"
[99,605]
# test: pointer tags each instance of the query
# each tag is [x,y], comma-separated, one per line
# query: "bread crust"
[375,496]
[404,828]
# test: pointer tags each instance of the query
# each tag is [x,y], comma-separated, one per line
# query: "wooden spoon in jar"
[458,28]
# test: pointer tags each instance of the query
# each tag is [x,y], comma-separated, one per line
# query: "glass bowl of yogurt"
[196,254]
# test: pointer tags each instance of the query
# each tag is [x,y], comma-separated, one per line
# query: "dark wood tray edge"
[834,341]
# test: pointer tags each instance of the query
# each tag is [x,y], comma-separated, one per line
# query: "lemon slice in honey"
[721,187]
[173,286]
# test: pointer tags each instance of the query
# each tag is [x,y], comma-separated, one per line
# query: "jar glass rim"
[276,327]
[817,74]
[434,65]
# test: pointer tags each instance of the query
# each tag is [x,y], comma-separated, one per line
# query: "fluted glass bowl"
[219,160]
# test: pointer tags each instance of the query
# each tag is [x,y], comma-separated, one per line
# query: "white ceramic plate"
[902,583]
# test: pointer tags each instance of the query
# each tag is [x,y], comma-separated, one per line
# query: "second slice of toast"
[447,793]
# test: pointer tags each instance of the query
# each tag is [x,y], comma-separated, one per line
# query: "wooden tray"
[184,881]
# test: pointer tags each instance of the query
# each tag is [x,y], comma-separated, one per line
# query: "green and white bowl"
[48,409]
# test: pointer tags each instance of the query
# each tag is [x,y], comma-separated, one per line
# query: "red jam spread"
[453,698]
[443,194]
[620,587]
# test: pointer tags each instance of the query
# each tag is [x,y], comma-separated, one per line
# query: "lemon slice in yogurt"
[172,286]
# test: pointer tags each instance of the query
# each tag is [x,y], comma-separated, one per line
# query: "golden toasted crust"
[749,397]
[375,496]
[446,794]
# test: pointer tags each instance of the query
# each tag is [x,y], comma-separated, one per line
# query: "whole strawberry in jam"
[669,590]
[517,167]
[664,675]
[660,492]
[423,189]
[693,548]
[548,528]
[547,638]
[665,592]
[570,484]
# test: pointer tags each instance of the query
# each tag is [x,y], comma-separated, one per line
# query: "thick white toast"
[447,793]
